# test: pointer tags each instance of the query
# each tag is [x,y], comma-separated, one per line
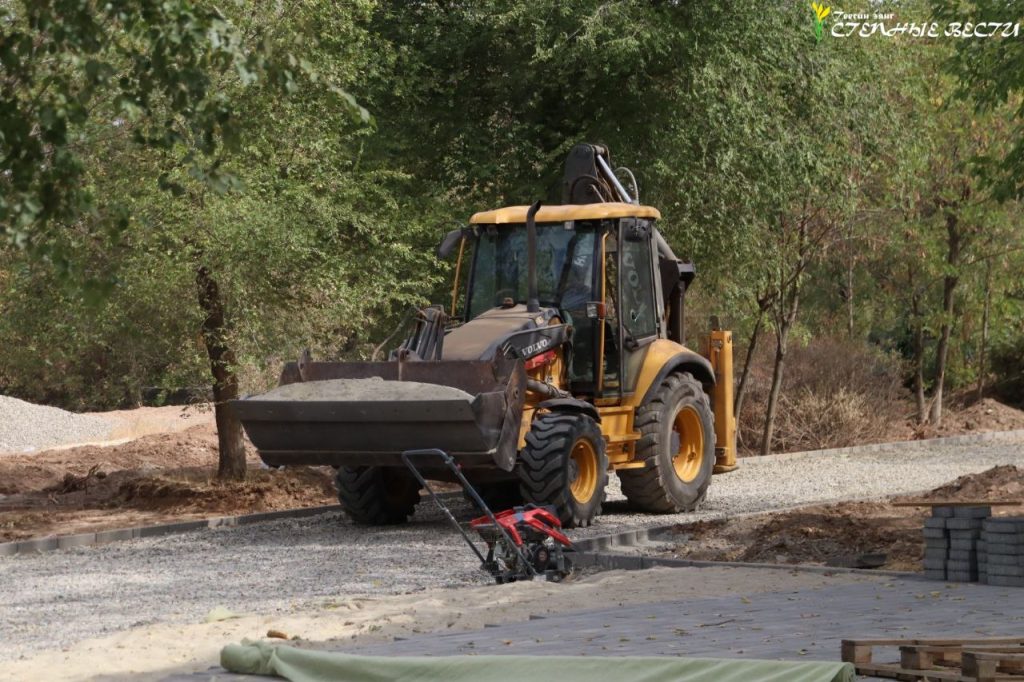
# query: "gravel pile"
[25,427]
[374,388]
[51,600]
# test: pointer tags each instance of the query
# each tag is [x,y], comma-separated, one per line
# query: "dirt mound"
[196,491]
[978,417]
[987,415]
[833,534]
[998,484]
[26,473]
[840,534]
[155,479]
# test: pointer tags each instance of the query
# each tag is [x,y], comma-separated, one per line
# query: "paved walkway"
[797,625]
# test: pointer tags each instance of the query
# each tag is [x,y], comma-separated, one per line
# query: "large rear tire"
[377,496]
[564,465]
[677,445]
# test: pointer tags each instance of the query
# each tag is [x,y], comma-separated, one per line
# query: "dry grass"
[834,393]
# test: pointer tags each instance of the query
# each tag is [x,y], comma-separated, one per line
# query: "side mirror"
[452,240]
[449,243]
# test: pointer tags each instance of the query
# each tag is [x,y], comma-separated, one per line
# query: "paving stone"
[794,625]
[1005,560]
[1005,580]
[1004,524]
[935,522]
[942,512]
[935,574]
[935,533]
[963,524]
[1004,539]
[961,544]
[1005,549]
[968,555]
[960,565]
[934,564]
[940,554]
[972,512]
[972,535]
[961,576]
[1013,571]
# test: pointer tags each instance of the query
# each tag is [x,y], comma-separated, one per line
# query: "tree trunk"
[741,390]
[773,395]
[849,290]
[922,408]
[982,352]
[949,283]
[225,382]
[785,320]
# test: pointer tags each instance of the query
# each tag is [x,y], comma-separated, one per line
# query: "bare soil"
[153,479]
[984,415]
[841,534]
[167,473]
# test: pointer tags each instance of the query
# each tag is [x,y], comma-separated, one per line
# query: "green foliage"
[990,74]
[156,73]
[143,141]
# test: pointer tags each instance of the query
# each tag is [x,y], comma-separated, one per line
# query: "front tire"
[564,465]
[677,445]
[377,496]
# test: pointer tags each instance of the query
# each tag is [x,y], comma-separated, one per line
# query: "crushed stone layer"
[25,427]
[51,600]
[374,388]
[800,479]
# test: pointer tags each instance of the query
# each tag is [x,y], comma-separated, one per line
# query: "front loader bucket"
[480,429]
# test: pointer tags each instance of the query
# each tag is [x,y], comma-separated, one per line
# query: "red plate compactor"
[522,543]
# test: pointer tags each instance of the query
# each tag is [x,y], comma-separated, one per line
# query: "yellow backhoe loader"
[559,359]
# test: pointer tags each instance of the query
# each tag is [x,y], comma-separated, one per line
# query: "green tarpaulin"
[300,665]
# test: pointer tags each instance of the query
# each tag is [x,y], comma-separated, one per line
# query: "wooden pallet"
[988,659]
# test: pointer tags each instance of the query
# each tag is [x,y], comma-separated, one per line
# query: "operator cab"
[598,271]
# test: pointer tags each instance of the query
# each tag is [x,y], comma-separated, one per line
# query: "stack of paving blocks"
[952,538]
[1003,543]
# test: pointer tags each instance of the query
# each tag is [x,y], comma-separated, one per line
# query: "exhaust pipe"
[533,297]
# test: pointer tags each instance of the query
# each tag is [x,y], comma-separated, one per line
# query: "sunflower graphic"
[820,12]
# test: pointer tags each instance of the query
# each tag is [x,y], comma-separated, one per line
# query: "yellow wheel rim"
[689,458]
[584,464]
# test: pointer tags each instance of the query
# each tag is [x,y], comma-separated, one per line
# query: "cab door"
[638,315]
